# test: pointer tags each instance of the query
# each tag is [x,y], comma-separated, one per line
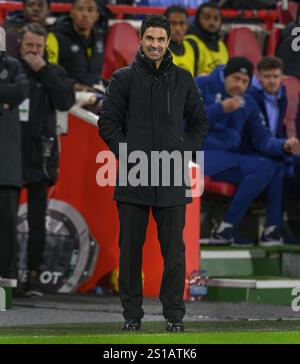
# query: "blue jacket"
[241,131]
[257,94]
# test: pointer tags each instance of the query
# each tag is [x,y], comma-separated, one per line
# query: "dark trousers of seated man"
[9,200]
[133,225]
[37,205]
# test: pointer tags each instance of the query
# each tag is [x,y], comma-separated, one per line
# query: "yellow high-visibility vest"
[209,59]
[187,60]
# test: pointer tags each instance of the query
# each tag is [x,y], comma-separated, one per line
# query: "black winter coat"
[73,52]
[153,110]
[14,89]
[50,90]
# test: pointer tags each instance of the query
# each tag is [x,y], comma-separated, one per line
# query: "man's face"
[236,84]
[84,14]
[271,80]
[36,11]
[32,43]
[210,20]
[179,26]
[154,43]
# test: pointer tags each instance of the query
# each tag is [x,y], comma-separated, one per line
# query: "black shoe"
[132,325]
[176,326]
[21,292]
[33,285]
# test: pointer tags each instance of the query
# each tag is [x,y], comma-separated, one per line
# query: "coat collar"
[150,65]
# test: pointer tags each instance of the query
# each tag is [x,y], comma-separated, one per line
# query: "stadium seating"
[121,46]
[218,187]
[293,94]
[242,42]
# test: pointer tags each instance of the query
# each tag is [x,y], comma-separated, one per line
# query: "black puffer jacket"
[153,110]
[14,89]
[73,52]
[49,90]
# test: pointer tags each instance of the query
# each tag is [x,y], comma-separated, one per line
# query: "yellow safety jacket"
[187,60]
[209,59]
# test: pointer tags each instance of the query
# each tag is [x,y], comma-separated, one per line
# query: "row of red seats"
[122,44]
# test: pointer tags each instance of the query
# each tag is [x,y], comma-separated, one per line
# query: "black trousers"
[133,225]
[37,206]
[9,201]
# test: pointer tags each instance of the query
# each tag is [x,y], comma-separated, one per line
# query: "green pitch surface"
[233,332]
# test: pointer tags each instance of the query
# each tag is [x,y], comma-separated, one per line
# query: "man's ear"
[140,38]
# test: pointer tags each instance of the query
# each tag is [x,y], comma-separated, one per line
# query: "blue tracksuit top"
[229,131]
[241,131]
[257,94]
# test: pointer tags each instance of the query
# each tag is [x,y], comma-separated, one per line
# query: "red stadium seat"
[218,187]
[292,85]
[273,41]
[242,42]
[122,43]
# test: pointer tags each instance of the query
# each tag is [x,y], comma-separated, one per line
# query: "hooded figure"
[205,31]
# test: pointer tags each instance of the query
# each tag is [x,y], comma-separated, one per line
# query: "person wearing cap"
[33,11]
[14,88]
[205,31]
[236,124]
[185,53]
[76,43]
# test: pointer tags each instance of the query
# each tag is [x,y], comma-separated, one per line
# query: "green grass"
[281,337]
[260,332]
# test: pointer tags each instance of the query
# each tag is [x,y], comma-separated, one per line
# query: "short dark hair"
[209,4]
[156,21]
[34,28]
[175,9]
[269,63]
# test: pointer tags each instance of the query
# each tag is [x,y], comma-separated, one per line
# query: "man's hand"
[292,145]
[35,61]
[81,87]
[232,104]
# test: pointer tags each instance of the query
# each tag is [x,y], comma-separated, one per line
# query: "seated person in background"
[76,43]
[270,94]
[289,56]
[234,119]
[268,91]
[184,52]
[206,33]
[33,11]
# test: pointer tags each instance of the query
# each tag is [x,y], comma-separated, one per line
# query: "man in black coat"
[76,43]
[152,106]
[49,90]
[13,90]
